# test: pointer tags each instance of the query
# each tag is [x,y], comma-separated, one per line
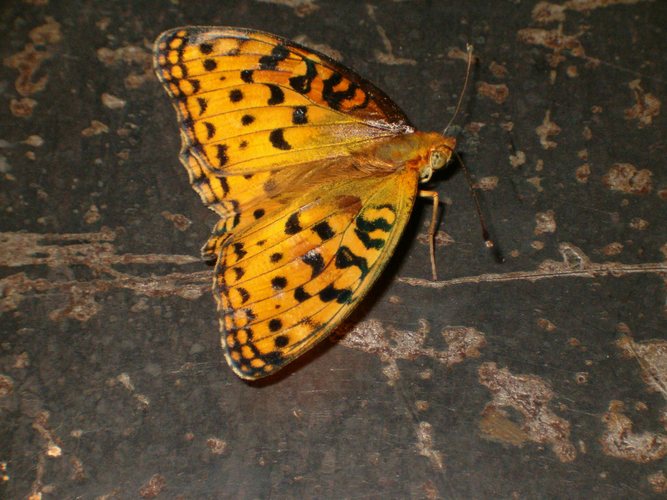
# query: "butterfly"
[313,171]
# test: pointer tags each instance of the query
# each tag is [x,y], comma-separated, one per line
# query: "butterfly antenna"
[488,242]
[469,50]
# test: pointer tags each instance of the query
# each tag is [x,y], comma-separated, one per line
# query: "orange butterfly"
[313,171]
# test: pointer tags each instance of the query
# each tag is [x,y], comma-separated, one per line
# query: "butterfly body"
[313,172]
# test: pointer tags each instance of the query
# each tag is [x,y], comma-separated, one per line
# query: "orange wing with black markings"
[285,284]
[252,103]
[313,171]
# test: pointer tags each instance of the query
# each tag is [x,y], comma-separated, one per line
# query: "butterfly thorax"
[421,152]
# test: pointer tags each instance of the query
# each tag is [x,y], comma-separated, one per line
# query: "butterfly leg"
[431,230]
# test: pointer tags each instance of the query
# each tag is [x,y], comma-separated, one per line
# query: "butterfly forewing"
[250,102]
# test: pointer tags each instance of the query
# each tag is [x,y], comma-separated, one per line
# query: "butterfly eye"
[437,160]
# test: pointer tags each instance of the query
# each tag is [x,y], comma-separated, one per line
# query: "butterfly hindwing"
[284,285]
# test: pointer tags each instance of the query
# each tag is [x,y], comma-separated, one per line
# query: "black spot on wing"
[323,230]
[299,115]
[196,86]
[247,119]
[367,240]
[371,225]
[279,283]
[346,258]
[210,64]
[277,95]
[340,295]
[210,130]
[302,83]
[224,184]
[364,227]
[235,95]
[273,358]
[222,154]
[270,62]
[275,257]
[292,225]
[203,104]
[249,314]
[244,294]
[238,272]
[205,48]
[275,324]
[239,251]
[300,294]
[259,213]
[335,98]
[277,138]
[247,75]
[281,341]
[314,259]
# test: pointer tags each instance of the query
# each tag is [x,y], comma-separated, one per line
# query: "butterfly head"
[439,155]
